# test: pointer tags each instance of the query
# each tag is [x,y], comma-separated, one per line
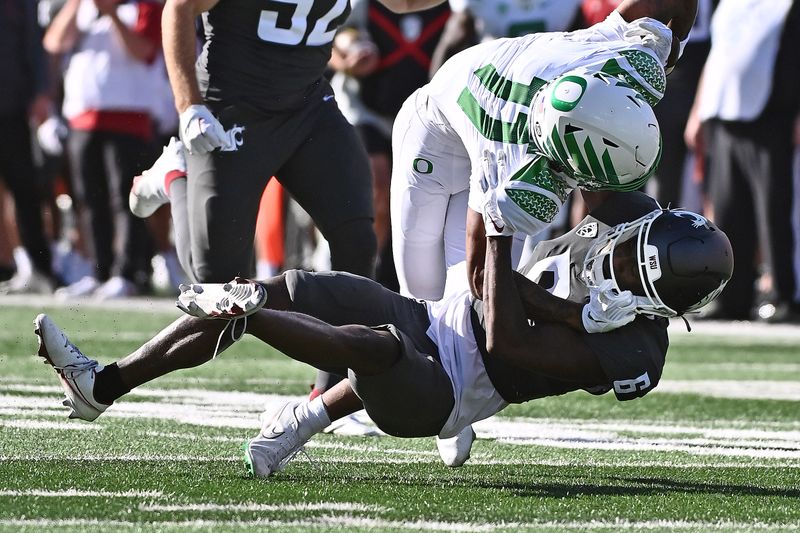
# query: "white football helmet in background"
[599,128]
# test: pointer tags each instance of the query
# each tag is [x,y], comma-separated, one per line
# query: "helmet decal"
[652,263]
[698,221]
[575,152]
[568,92]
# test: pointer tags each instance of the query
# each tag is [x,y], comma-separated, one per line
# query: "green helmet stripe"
[555,141]
[611,172]
[613,68]
[594,162]
[575,153]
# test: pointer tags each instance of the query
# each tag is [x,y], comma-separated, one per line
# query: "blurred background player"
[474,21]
[24,102]
[112,74]
[748,102]
[673,182]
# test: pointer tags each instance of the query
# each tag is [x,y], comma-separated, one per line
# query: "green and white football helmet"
[599,128]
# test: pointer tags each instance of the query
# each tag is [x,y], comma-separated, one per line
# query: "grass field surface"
[716,447]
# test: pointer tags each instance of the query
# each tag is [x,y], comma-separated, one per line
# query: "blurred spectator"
[748,102]
[673,110]
[111,85]
[24,101]
[380,59]
[476,20]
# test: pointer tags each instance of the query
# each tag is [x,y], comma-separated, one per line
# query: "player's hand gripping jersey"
[485,95]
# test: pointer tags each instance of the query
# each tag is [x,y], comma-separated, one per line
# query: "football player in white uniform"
[491,97]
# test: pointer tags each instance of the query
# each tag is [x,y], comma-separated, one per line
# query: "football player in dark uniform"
[255,105]
[432,368]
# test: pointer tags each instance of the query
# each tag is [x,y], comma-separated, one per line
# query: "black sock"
[108,385]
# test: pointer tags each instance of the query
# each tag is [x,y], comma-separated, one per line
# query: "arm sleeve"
[632,356]
[532,196]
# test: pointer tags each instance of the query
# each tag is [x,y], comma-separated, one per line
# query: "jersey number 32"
[268,29]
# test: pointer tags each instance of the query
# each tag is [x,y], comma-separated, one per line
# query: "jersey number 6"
[268,29]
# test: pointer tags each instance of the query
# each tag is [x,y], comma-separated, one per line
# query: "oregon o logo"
[422,165]
[568,93]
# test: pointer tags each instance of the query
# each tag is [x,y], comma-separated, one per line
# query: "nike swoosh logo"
[273,436]
[327,97]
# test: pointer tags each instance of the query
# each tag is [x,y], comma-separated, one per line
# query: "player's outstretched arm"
[551,349]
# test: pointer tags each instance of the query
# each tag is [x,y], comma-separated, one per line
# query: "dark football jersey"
[632,356]
[267,54]
[405,43]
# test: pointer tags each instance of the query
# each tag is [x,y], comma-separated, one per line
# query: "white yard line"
[414,525]
[73,493]
[733,389]
[112,457]
[238,410]
[265,507]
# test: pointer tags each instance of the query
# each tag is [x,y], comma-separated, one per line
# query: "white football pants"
[430,187]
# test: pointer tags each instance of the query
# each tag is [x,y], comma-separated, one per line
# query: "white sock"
[313,415]
[23,261]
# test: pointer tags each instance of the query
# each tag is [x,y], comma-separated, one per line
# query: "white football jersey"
[512,18]
[485,92]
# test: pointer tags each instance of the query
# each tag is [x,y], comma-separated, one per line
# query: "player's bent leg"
[321,345]
[413,397]
[75,371]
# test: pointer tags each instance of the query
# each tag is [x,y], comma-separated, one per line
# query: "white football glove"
[494,171]
[608,310]
[200,131]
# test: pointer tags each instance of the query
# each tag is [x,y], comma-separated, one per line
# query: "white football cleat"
[149,191]
[236,299]
[281,438]
[455,450]
[75,370]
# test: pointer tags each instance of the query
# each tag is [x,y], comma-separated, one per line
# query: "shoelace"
[234,338]
[84,364]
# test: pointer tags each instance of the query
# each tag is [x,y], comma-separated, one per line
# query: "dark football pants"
[414,397]
[750,187]
[17,170]
[103,165]
[317,157]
